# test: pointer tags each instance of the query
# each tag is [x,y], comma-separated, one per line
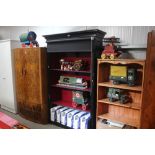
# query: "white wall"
[130,35]
[13,32]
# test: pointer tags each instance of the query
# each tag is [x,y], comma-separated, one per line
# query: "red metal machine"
[110,49]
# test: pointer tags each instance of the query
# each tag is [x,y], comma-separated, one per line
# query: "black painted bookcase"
[85,45]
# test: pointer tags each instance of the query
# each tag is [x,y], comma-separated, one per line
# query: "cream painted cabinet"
[7,79]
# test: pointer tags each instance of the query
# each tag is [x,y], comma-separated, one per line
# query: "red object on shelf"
[69,104]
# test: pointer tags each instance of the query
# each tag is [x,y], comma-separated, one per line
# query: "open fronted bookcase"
[69,47]
[128,113]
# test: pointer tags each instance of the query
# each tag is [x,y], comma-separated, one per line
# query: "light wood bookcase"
[128,113]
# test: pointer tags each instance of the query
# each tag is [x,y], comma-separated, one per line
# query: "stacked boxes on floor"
[70,117]
[53,113]
[64,116]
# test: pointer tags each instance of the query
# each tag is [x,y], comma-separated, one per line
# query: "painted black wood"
[77,34]
[79,42]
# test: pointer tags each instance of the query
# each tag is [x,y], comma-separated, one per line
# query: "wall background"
[130,35]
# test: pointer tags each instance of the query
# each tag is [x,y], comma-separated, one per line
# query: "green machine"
[79,97]
[73,82]
[123,74]
[115,94]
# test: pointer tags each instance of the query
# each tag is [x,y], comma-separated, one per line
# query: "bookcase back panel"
[124,115]
[54,59]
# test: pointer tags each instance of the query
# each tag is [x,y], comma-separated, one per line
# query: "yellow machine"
[118,71]
[123,74]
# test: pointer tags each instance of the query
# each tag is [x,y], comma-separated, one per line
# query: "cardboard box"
[76,119]
[70,116]
[84,121]
[58,114]
[64,116]
[53,112]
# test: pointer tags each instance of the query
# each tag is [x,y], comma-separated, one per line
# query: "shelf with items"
[71,82]
[72,58]
[121,119]
[119,114]
[63,85]
[120,102]
[133,100]
[68,60]
[64,97]
[106,66]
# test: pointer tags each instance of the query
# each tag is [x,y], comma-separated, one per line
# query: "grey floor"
[27,123]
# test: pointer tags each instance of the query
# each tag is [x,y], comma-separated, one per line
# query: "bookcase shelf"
[128,113]
[120,119]
[71,88]
[120,86]
[127,105]
[70,71]
[82,45]
[68,104]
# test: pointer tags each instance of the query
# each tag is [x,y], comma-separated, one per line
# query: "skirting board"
[9,109]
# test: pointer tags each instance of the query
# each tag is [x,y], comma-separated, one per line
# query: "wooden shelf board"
[68,104]
[122,119]
[121,86]
[59,70]
[71,88]
[123,61]
[117,103]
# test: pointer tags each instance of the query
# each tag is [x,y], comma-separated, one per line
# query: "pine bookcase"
[130,112]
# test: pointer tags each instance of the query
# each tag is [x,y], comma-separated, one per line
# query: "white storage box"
[64,116]
[58,114]
[70,116]
[53,112]
[76,119]
[84,121]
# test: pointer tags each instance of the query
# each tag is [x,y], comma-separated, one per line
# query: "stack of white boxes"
[58,114]
[76,119]
[53,112]
[70,117]
[84,121]
[64,116]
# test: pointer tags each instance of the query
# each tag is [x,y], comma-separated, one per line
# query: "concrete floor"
[27,123]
